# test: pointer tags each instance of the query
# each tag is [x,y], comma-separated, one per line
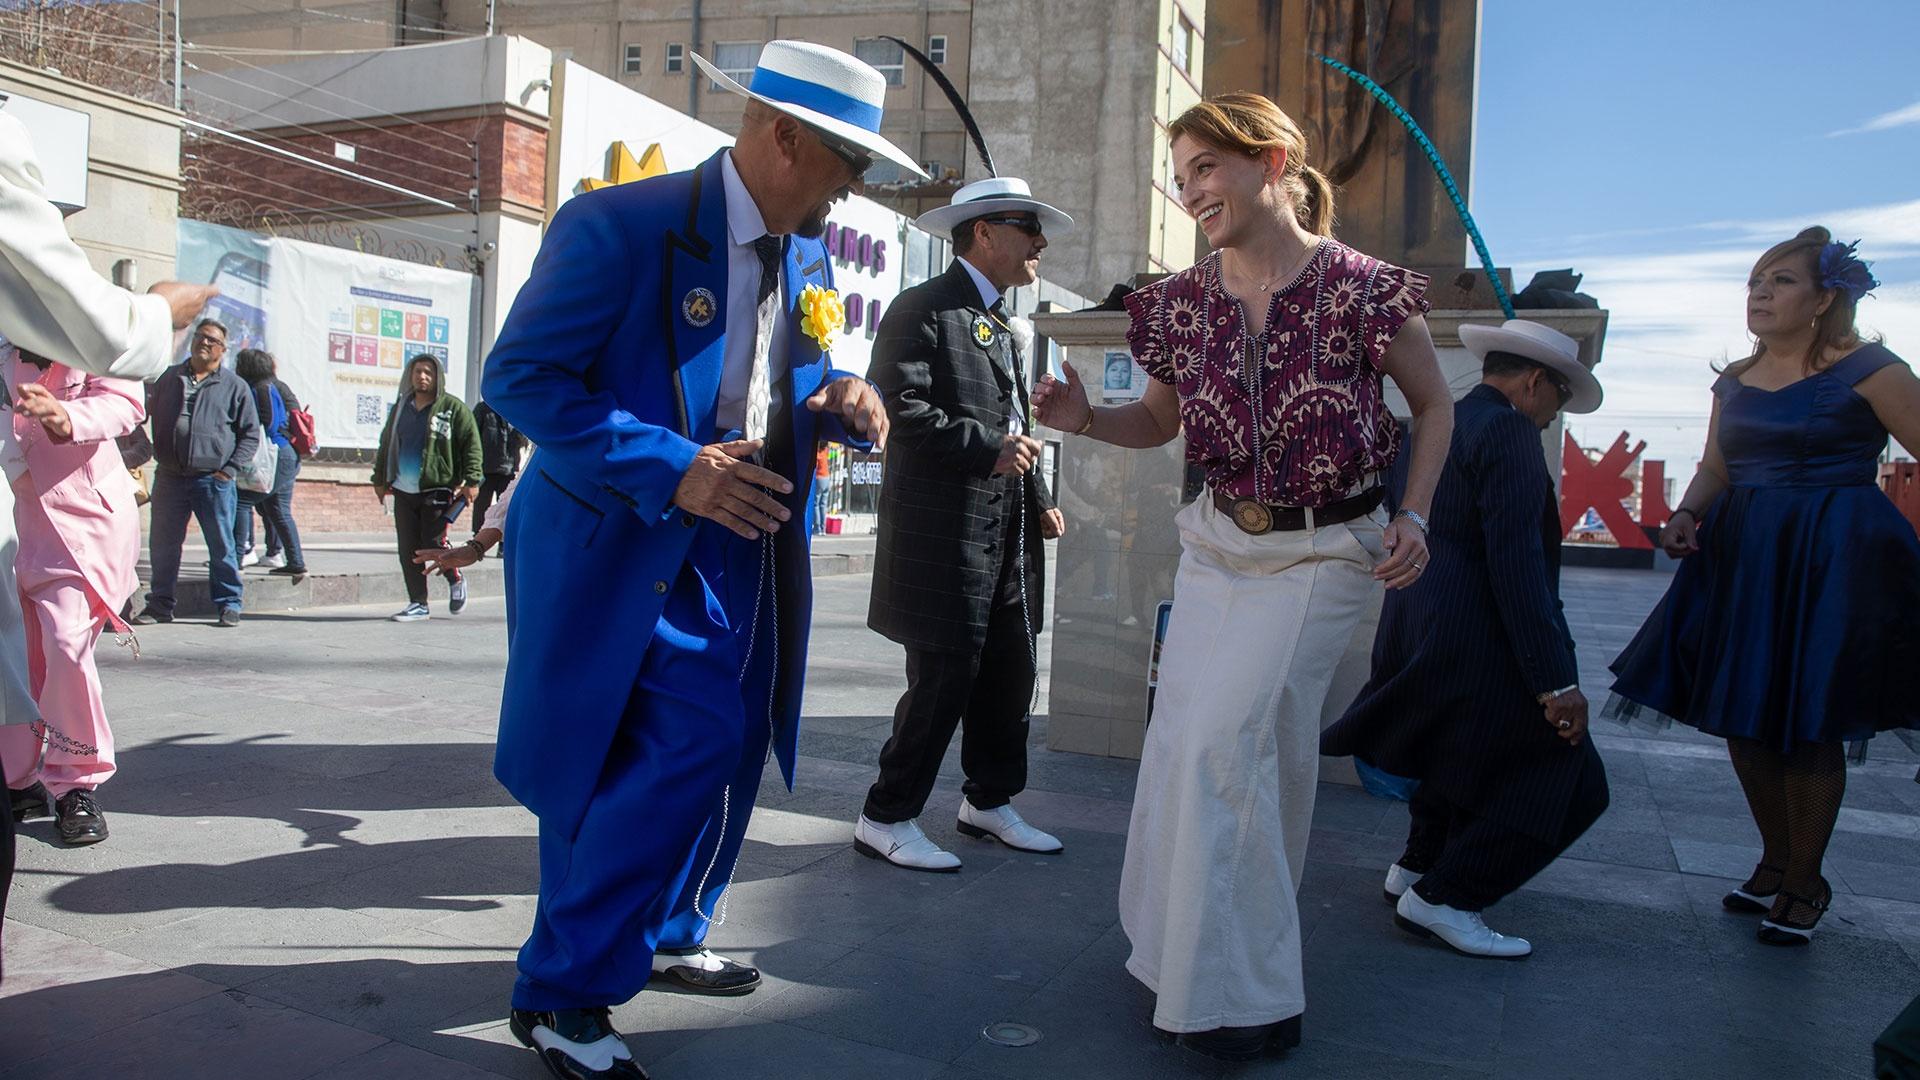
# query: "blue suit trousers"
[651,862]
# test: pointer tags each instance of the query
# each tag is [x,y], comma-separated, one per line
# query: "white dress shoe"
[1004,823]
[902,844]
[1399,880]
[1464,930]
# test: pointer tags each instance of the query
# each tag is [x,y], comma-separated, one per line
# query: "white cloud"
[1676,314]
[1883,122]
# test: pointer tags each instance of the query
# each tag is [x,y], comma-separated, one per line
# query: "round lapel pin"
[982,331]
[699,307]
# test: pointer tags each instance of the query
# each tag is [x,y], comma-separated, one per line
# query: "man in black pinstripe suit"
[959,569]
[1475,688]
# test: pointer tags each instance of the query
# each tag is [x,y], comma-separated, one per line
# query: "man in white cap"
[1475,691]
[668,356]
[959,570]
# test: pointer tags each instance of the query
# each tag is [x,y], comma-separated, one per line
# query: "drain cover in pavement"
[1005,1034]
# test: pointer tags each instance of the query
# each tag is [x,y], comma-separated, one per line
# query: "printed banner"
[346,324]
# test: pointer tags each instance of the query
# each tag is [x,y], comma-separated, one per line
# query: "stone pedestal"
[1116,563]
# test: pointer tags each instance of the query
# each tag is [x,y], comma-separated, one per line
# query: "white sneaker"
[1464,930]
[1004,823]
[902,844]
[273,562]
[412,613]
[251,558]
[1399,880]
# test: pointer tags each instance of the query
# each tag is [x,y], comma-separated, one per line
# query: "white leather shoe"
[1399,880]
[1464,930]
[902,844]
[1004,823]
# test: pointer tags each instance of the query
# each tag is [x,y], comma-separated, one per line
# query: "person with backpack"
[501,445]
[284,555]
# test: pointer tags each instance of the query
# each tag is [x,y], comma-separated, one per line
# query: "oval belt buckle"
[1252,516]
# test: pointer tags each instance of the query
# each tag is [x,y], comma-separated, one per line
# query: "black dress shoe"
[148,616]
[730,978]
[79,818]
[576,1044]
[1241,1043]
[23,801]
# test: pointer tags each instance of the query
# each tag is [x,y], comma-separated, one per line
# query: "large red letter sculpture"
[1603,484]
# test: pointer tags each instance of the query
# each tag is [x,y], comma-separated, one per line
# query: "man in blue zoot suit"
[666,358]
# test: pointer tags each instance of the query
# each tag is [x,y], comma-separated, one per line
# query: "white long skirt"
[1225,795]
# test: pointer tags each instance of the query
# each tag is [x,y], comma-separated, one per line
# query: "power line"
[466,144]
[358,216]
[465,176]
[326,166]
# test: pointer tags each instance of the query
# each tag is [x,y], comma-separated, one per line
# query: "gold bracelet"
[1088,426]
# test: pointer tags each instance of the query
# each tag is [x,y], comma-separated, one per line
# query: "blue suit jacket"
[602,369]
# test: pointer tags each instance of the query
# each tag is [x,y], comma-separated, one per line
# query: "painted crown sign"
[622,168]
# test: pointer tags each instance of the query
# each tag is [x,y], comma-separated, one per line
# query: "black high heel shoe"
[1748,899]
[1778,929]
[21,802]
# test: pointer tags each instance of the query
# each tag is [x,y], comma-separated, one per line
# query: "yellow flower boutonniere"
[822,315]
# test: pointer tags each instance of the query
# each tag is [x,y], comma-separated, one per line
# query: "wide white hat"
[824,87]
[1000,194]
[1543,345]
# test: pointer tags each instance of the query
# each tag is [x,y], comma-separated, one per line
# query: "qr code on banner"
[366,408]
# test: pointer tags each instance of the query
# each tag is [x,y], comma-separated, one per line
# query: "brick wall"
[337,499]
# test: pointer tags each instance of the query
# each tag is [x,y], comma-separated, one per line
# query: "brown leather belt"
[1257,518]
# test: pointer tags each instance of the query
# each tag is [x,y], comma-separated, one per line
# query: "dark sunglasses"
[1561,387]
[856,159]
[1030,226]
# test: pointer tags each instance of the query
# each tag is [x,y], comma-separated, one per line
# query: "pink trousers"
[63,625]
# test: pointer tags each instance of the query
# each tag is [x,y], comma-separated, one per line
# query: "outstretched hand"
[860,410]
[1062,406]
[184,301]
[721,485]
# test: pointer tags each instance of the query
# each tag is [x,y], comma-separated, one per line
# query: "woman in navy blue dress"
[1789,628]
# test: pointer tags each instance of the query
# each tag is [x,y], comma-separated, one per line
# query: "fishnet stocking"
[1815,777]
[1762,773]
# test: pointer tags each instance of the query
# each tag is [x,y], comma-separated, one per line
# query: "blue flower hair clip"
[1840,268]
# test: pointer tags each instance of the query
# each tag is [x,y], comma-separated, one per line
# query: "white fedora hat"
[1543,345]
[823,87]
[999,195]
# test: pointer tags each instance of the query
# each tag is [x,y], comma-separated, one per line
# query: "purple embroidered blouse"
[1323,422]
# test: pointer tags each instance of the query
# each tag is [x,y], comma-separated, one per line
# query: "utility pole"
[179,93]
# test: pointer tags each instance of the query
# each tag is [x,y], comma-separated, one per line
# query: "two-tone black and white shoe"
[1753,897]
[576,1044]
[700,970]
[1793,917]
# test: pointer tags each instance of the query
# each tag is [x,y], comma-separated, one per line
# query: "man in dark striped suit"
[958,574]
[1475,689]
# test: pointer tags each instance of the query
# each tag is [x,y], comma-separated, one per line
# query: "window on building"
[630,62]
[676,58]
[1183,44]
[937,48]
[735,59]
[886,57]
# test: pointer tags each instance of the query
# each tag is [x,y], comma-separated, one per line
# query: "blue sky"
[1660,147]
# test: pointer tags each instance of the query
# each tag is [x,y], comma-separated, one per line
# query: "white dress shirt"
[990,296]
[744,226]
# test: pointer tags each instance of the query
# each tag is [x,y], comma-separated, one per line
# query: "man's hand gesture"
[721,485]
[1017,455]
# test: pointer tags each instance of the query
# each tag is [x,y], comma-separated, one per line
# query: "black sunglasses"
[1030,226]
[856,159]
[1560,387]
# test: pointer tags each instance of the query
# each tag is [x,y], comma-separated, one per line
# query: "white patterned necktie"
[759,382]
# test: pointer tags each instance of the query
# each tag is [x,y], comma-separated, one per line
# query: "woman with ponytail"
[1789,628]
[1268,355]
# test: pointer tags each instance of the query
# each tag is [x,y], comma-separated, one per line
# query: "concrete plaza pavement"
[313,875]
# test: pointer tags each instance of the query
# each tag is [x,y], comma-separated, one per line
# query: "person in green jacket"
[429,457]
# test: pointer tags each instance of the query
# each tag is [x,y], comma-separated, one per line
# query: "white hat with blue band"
[824,88]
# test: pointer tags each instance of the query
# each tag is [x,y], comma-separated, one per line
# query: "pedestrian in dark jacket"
[501,445]
[1475,688]
[429,457]
[205,429]
[284,555]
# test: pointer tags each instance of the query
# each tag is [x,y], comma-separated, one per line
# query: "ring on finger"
[1565,724]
